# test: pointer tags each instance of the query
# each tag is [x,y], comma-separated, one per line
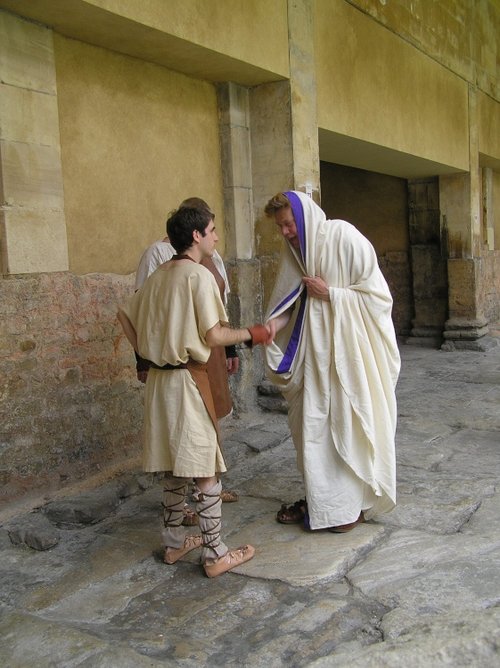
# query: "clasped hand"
[316,287]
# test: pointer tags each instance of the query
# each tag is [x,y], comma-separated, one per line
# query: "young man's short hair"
[183,222]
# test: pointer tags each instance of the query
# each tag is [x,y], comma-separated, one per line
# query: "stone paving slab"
[43,643]
[418,587]
[258,438]
[34,530]
[431,574]
[103,558]
[473,453]
[454,640]
[108,596]
[288,552]
[444,506]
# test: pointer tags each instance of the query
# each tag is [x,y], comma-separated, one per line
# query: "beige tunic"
[152,258]
[171,314]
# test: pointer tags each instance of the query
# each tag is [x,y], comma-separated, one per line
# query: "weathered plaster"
[136,140]
[375,87]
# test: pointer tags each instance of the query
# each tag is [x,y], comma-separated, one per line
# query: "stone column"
[268,145]
[306,172]
[461,201]
[285,150]
[428,262]
[245,303]
[234,124]
[32,222]
[491,237]
[466,323]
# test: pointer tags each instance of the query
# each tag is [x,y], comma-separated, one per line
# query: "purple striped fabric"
[293,343]
[291,349]
[298,214]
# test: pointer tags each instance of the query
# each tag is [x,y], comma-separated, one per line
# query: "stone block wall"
[32,220]
[70,406]
[397,272]
[491,285]
[377,205]
[428,263]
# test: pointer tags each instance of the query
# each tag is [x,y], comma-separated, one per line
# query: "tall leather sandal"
[228,561]
[175,514]
[173,554]
[210,523]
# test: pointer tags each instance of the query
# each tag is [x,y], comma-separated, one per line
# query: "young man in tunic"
[174,321]
[336,360]
[223,361]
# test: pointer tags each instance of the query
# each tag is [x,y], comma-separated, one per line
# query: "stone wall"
[396,269]
[490,288]
[124,172]
[70,406]
[483,275]
[32,218]
[377,205]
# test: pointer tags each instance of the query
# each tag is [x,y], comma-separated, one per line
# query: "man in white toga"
[336,360]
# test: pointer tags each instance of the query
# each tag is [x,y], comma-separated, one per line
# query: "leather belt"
[168,367]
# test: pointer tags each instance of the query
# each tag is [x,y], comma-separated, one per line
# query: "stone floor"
[82,582]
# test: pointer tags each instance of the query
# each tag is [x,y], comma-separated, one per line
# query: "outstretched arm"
[219,335]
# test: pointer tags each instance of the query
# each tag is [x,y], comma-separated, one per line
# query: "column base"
[467,335]
[425,336]
[479,345]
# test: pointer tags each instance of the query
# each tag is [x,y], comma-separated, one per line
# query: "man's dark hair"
[183,222]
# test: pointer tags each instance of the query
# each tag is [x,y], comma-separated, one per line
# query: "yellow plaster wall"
[375,86]
[136,139]
[243,41]
[489,130]
[462,35]
[253,31]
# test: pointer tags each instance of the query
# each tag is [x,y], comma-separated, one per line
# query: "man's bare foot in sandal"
[293,514]
[231,559]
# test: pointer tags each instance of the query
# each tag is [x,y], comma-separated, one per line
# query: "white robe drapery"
[337,364]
